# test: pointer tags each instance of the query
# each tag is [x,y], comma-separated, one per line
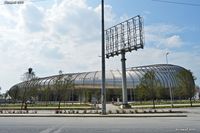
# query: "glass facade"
[166,74]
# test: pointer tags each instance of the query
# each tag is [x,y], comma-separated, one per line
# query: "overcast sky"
[53,35]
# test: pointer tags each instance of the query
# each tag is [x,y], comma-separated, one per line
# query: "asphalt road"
[188,124]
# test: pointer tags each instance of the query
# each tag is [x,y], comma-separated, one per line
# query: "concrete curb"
[93,115]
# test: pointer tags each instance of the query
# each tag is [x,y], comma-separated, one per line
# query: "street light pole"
[103,90]
[166,57]
[170,89]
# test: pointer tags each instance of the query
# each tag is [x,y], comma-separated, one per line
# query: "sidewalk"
[97,115]
[164,105]
[115,111]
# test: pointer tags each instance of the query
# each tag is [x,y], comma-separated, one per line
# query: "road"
[188,124]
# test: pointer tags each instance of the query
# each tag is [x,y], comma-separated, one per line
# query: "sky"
[53,35]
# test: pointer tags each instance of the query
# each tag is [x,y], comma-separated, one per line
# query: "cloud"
[161,28]
[110,17]
[52,53]
[146,56]
[31,18]
[63,36]
[173,41]
[66,36]
[163,36]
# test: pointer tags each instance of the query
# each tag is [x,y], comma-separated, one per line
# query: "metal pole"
[166,57]
[103,90]
[170,92]
[124,87]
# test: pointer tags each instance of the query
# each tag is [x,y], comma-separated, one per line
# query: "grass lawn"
[166,104]
[161,102]
[44,106]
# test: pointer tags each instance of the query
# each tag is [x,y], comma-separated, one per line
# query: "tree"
[149,85]
[27,77]
[61,85]
[32,92]
[141,93]
[186,85]
[46,91]
[16,93]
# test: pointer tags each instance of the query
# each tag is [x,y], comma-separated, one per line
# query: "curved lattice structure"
[166,74]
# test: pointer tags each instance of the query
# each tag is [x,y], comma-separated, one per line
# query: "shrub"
[144,111]
[109,112]
[170,111]
[150,111]
[123,111]
[84,111]
[117,111]
[136,111]
[131,112]
[57,111]
[90,112]
[72,111]
[96,112]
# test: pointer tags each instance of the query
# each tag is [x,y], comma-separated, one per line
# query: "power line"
[180,3]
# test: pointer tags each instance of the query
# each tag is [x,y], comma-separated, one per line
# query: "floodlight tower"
[121,38]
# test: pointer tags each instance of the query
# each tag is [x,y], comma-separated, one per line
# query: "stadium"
[86,86]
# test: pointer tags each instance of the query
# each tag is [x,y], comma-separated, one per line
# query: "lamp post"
[170,89]
[166,57]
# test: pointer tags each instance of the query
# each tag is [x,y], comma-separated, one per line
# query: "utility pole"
[103,90]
